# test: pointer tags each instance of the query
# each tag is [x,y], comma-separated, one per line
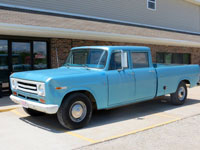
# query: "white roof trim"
[50,32]
[197,2]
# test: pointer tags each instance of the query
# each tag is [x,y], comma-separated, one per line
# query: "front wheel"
[180,96]
[75,111]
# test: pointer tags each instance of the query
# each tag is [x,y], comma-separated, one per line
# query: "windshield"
[91,58]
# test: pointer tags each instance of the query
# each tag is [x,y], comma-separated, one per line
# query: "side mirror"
[124,60]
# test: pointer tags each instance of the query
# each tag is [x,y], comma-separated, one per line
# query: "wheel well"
[186,81]
[88,94]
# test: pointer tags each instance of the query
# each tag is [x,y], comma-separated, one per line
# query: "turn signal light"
[61,88]
[58,88]
[15,93]
[42,101]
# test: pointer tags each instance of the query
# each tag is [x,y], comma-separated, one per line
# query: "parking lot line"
[162,115]
[167,116]
[68,132]
[117,136]
[18,113]
[81,137]
[140,130]
[7,109]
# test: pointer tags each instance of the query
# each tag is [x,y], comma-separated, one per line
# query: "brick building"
[38,34]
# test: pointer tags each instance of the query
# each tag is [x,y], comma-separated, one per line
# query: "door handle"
[151,71]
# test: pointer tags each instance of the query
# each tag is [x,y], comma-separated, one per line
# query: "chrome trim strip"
[26,90]
[27,81]
[26,86]
[96,18]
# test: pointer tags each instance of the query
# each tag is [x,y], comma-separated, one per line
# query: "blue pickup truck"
[100,77]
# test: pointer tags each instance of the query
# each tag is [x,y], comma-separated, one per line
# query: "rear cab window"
[140,59]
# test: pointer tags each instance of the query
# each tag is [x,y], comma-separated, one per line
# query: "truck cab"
[130,74]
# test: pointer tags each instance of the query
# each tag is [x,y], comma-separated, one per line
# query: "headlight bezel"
[13,83]
[41,89]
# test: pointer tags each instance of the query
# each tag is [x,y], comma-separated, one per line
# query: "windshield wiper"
[67,65]
[85,66]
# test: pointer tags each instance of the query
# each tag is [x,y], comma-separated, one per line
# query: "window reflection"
[3,46]
[40,55]
[4,72]
[173,58]
[3,54]
[21,56]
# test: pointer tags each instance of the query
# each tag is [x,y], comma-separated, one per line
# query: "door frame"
[30,40]
[26,40]
[11,49]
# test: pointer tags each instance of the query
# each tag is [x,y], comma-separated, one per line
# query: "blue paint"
[112,88]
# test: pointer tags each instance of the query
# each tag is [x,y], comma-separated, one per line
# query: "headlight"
[41,89]
[14,83]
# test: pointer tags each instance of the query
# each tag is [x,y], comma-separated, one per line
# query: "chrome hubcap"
[181,93]
[78,111]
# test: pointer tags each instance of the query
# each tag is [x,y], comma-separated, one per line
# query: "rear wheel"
[33,112]
[75,111]
[180,96]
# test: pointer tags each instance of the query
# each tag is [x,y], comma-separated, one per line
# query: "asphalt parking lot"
[108,127]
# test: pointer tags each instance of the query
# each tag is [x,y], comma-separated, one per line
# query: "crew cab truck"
[100,77]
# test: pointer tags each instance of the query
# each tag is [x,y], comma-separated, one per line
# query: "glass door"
[21,56]
[4,69]
[40,55]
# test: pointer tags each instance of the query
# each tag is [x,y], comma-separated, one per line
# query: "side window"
[115,61]
[140,60]
[151,4]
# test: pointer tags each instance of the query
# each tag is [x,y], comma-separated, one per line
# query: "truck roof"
[110,48]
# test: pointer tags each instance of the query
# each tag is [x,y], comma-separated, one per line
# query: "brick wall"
[64,45]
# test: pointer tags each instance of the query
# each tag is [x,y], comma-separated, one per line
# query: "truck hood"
[44,75]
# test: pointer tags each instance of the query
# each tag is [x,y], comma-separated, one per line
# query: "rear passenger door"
[145,76]
[121,83]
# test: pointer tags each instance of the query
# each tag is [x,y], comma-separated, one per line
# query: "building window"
[40,55]
[151,4]
[4,70]
[173,58]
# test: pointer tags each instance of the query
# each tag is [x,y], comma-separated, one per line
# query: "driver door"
[121,82]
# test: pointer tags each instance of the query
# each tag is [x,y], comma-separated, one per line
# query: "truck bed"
[170,75]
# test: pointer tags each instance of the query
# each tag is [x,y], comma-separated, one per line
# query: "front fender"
[96,85]
[99,102]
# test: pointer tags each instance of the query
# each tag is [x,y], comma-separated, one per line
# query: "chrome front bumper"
[49,109]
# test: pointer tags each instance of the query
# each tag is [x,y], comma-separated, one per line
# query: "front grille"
[27,86]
